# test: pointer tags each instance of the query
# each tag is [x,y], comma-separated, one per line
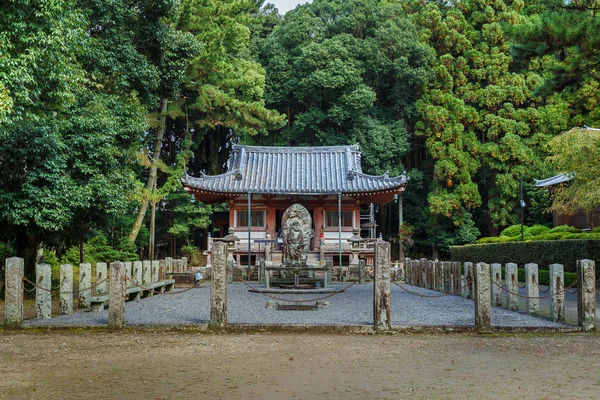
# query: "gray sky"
[286,5]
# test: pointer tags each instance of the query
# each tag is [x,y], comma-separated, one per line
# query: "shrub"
[513,231]
[595,230]
[538,230]
[566,228]
[491,239]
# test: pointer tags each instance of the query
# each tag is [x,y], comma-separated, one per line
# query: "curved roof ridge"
[298,149]
[382,176]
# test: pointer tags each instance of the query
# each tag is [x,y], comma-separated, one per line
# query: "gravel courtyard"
[353,307]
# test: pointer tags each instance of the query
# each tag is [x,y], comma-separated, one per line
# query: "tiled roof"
[294,170]
[555,180]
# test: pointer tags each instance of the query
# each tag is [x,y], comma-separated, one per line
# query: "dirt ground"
[80,364]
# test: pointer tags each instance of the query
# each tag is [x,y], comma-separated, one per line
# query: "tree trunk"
[27,248]
[160,132]
[435,252]
[152,229]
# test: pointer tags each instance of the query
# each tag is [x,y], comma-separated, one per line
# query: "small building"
[261,182]
[579,219]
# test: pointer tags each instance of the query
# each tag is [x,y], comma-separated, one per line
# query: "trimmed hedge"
[542,252]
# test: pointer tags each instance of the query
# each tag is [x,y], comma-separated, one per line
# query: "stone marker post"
[13,293]
[481,295]
[512,286]
[146,272]
[128,273]
[137,272]
[496,288]
[66,289]
[261,271]
[361,271]
[381,284]
[230,267]
[456,278]
[532,302]
[218,286]
[430,265]
[439,276]
[85,285]
[43,296]
[137,277]
[162,268]
[116,296]
[169,262]
[155,270]
[468,292]
[447,270]
[416,273]
[101,272]
[184,264]
[408,271]
[586,295]
[557,292]
[329,265]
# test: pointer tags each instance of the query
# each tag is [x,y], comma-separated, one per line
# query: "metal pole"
[400,223]
[521,205]
[249,233]
[340,228]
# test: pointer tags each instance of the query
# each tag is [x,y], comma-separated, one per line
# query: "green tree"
[225,86]
[563,38]
[347,72]
[69,128]
[576,152]
[483,124]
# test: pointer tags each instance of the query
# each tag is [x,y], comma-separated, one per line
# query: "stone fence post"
[162,268]
[155,270]
[329,266]
[381,285]
[43,295]
[468,291]
[85,284]
[408,271]
[261,272]
[116,296]
[586,295]
[184,264]
[533,289]
[496,284]
[361,271]
[447,273]
[146,272]
[101,272]
[66,289]
[431,268]
[512,286]
[218,286]
[169,261]
[481,295]
[129,273]
[416,274]
[557,292]
[456,278]
[13,293]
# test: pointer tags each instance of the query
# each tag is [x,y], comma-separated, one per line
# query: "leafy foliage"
[480,114]
[576,152]
[347,72]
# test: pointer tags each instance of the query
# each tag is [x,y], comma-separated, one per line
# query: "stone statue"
[297,232]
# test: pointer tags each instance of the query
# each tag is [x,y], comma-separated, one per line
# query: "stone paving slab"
[352,307]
